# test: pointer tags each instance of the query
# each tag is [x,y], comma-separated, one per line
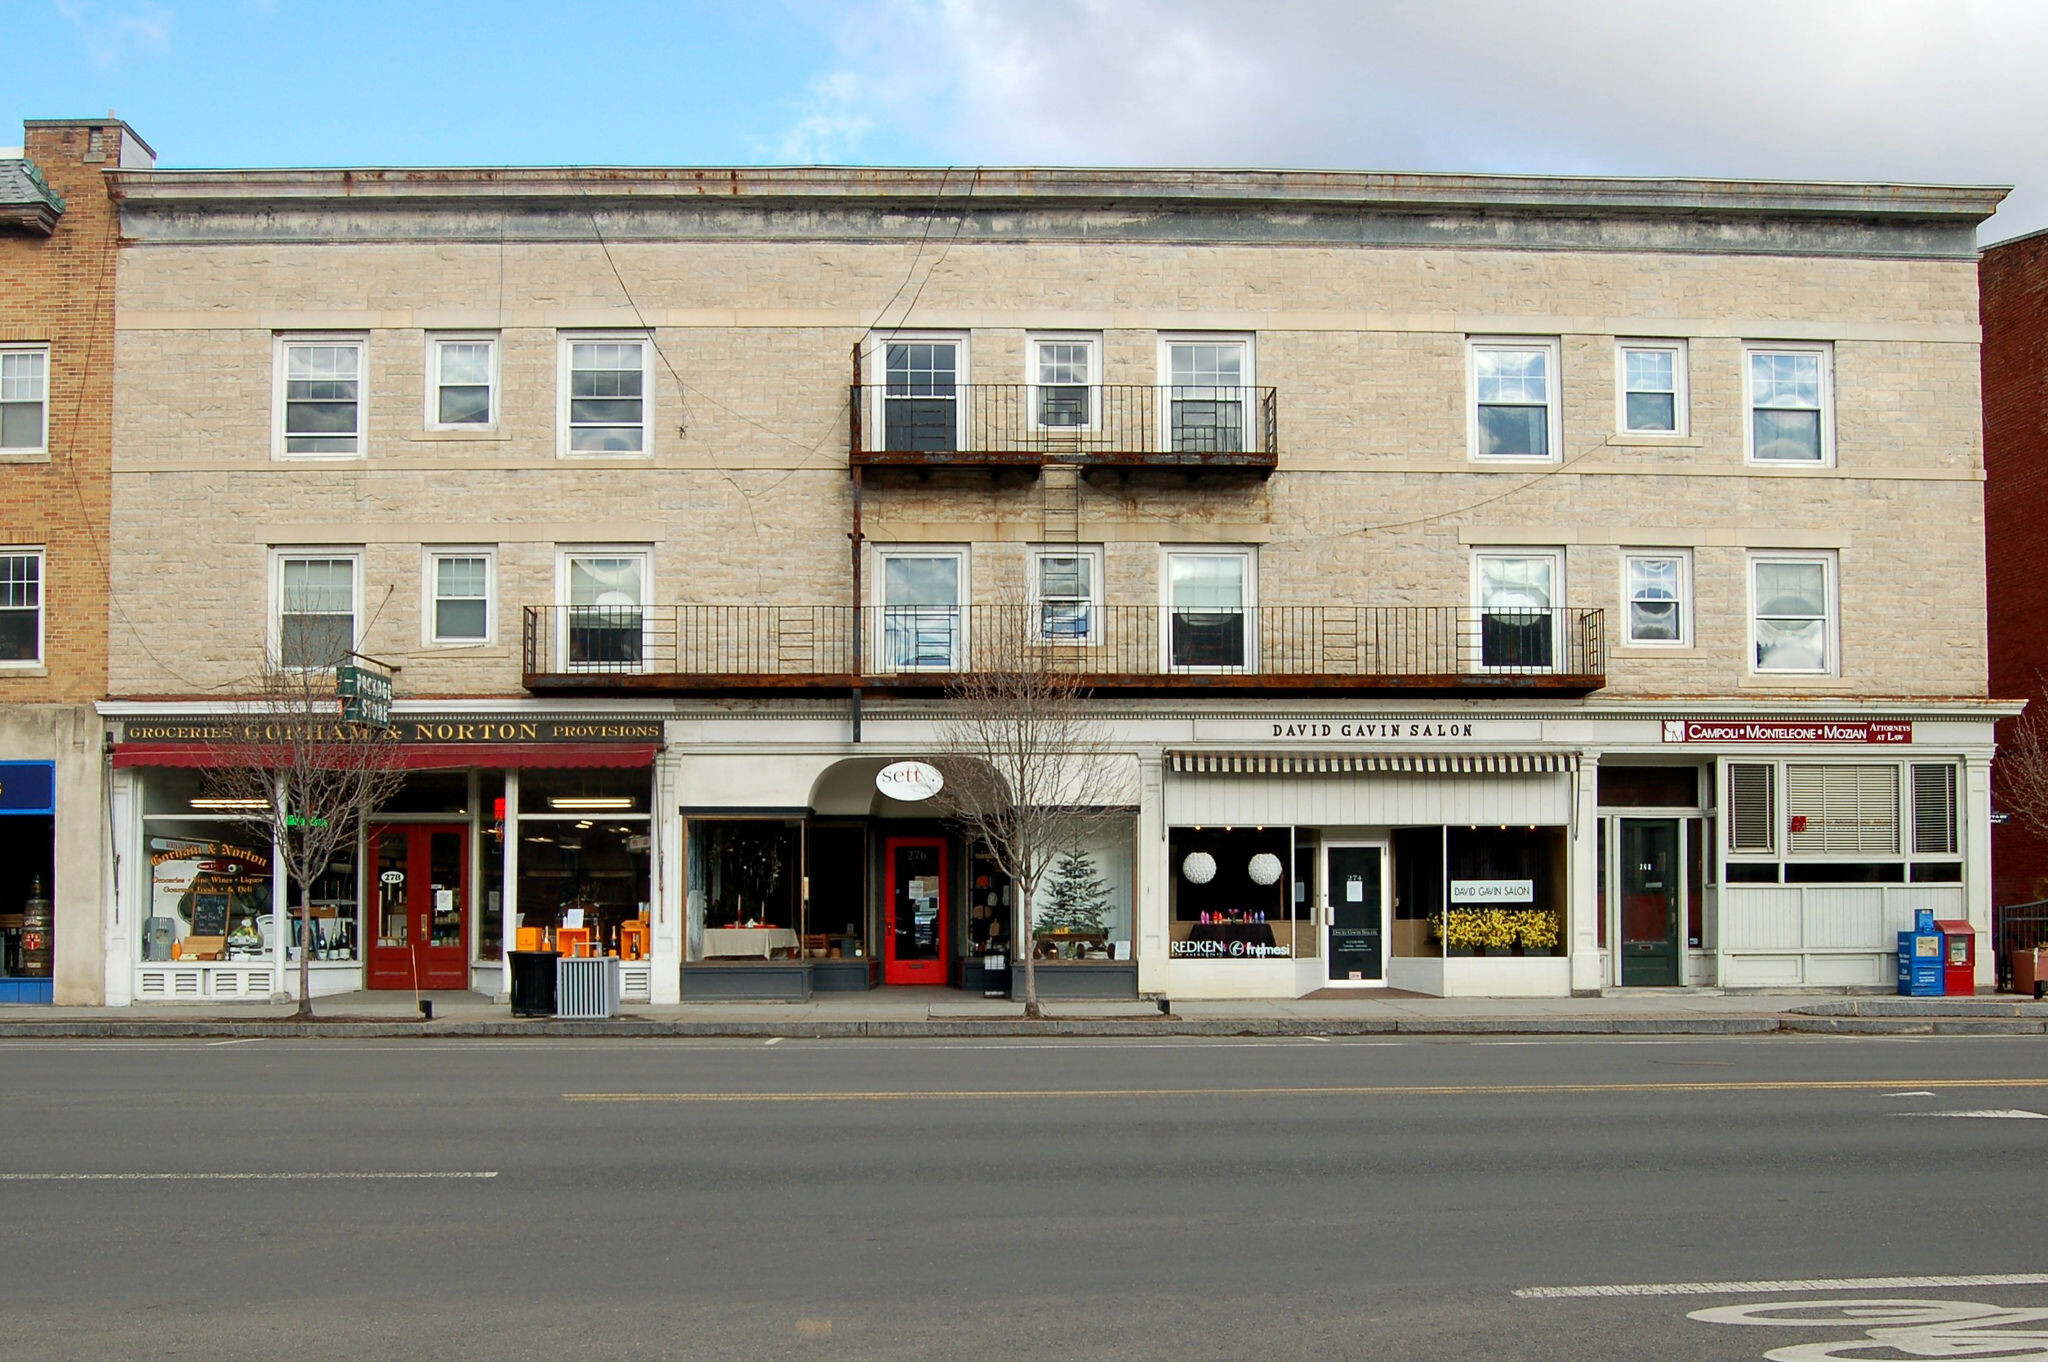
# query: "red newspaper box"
[1958,956]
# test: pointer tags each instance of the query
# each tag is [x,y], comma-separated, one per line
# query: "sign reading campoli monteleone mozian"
[1714,730]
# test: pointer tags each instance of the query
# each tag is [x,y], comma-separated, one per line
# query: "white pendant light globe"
[1264,868]
[1199,867]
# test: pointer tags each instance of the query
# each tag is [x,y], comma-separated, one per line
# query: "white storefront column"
[1976,818]
[1149,866]
[127,905]
[508,903]
[1587,974]
[666,953]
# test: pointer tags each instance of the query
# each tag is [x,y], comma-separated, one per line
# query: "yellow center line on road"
[1390,1090]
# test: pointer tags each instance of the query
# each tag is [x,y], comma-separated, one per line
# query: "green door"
[1357,941]
[1649,901]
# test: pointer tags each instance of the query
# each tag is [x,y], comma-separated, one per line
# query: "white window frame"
[1553,405]
[281,381]
[1826,353]
[1556,607]
[42,607]
[566,343]
[565,555]
[40,349]
[1683,557]
[1250,556]
[1247,384]
[1033,382]
[1832,631]
[430,595]
[279,556]
[1681,415]
[962,650]
[1092,554]
[437,339]
[878,380]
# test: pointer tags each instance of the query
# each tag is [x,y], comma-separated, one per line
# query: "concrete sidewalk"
[944,1012]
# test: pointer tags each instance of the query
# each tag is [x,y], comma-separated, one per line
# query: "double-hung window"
[1657,595]
[924,593]
[605,623]
[1208,395]
[462,389]
[321,398]
[316,594]
[1514,389]
[606,394]
[1791,398]
[21,606]
[1209,603]
[1066,590]
[1516,592]
[459,583]
[1792,612]
[24,399]
[921,384]
[1652,387]
[1063,383]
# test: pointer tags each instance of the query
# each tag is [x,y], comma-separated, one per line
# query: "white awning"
[1347,763]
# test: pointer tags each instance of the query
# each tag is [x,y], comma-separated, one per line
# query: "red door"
[919,903]
[419,907]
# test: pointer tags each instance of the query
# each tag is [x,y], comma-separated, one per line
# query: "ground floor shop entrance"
[1356,915]
[1650,902]
[419,895]
[916,901]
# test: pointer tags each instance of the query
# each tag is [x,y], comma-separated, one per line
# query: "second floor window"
[606,620]
[21,606]
[1517,594]
[1209,599]
[316,610]
[323,397]
[1657,587]
[922,604]
[462,597]
[1792,619]
[921,395]
[1067,587]
[1207,395]
[24,399]
[606,391]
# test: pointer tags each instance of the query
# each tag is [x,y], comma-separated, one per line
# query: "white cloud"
[1931,90]
[111,33]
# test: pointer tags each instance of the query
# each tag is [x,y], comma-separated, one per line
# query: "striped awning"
[1346,763]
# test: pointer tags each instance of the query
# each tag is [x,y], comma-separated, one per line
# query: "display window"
[1232,893]
[1082,910]
[586,861]
[1504,891]
[746,889]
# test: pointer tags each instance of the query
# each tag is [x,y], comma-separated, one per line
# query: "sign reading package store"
[1493,891]
[1878,731]
[1416,728]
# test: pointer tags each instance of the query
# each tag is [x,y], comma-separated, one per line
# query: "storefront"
[28,865]
[843,886]
[507,828]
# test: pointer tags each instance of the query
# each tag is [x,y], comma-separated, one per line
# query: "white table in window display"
[726,942]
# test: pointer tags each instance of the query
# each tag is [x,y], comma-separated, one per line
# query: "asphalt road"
[1022,1199]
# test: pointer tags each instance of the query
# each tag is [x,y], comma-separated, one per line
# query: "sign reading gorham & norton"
[411,730]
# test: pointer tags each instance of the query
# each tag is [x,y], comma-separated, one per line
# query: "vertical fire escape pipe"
[857,538]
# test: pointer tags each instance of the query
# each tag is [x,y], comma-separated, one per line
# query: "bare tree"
[307,780]
[1029,769]
[2021,769]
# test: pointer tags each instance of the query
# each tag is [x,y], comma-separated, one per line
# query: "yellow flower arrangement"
[1537,930]
[1497,929]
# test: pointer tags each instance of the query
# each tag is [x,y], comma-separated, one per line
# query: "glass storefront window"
[1231,891]
[1505,891]
[1082,910]
[209,890]
[585,792]
[746,888]
[594,870]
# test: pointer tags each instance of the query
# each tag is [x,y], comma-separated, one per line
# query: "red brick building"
[2013,277]
[58,238]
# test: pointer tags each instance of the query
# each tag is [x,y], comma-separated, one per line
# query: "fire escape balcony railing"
[1136,648]
[1097,425]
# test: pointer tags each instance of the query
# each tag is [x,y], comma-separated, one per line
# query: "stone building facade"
[58,238]
[1552,584]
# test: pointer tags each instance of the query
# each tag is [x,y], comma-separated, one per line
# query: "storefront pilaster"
[1977,860]
[666,952]
[1152,871]
[1588,973]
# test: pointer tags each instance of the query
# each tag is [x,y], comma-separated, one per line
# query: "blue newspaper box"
[1920,963]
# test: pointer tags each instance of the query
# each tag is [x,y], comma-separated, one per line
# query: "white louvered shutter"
[1934,810]
[1842,810]
[1752,811]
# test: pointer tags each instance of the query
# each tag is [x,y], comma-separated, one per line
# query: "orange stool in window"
[633,941]
[573,941]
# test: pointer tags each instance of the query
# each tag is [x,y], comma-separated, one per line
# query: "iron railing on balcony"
[1025,424]
[1149,647]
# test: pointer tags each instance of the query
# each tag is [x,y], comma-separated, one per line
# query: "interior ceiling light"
[224,805]
[589,803]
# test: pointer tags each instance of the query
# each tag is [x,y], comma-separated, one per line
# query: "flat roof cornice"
[1572,195]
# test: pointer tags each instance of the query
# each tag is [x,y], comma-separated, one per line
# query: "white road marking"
[776,1040]
[241,1177]
[1994,1114]
[1918,1092]
[1554,1293]
[245,1040]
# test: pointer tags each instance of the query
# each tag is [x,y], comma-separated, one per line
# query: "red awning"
[427,756]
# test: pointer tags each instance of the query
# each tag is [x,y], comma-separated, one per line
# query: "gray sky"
[1919,90]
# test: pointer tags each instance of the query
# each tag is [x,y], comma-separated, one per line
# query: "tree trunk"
[305,951]
[1029,942]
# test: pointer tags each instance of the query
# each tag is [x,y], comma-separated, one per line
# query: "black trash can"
[533,983]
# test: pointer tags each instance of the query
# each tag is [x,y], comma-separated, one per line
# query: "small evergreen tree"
[1080,896]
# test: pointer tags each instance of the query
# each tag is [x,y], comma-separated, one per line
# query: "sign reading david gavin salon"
[1410,728]
[1871,731]
[415,730]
